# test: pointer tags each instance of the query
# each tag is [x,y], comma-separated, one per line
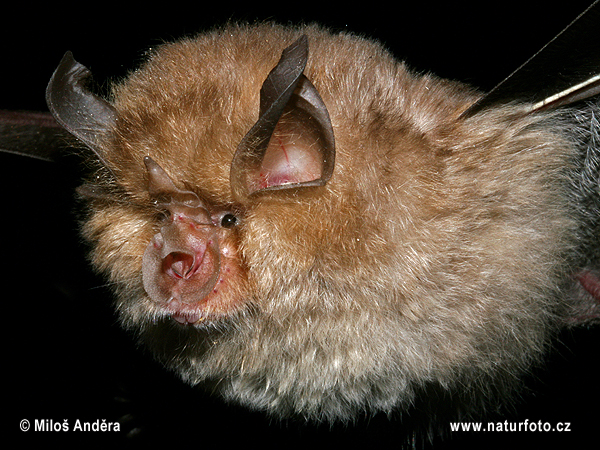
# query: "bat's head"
[320,231]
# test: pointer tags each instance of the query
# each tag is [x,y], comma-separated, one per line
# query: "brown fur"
[434,255]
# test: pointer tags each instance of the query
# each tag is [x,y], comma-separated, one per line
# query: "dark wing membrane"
[565,70]
[32,134]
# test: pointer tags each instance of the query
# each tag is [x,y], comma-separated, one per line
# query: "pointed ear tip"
[300,43]
[151,165]
[68,60]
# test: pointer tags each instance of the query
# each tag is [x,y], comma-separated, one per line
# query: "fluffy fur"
[438,254]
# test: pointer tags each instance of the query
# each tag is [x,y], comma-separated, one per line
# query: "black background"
[65,356]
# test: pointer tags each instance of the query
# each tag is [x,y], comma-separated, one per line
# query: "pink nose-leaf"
[182,261]
[179,265]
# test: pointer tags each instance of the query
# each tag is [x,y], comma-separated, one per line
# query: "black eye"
[228,221]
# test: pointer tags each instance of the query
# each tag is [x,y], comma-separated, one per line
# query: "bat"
[313,250]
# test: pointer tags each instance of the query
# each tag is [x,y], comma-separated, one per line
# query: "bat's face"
[332,239]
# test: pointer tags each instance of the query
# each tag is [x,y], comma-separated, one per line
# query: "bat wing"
[564,71]
[32,134]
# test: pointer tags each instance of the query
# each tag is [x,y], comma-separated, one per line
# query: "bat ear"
[82,113]
[292,143]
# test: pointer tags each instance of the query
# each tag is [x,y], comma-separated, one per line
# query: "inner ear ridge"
[305,111]
[312,103]
[306,115]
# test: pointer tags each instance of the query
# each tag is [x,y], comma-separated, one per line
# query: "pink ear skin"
[300,152]
[291,145]
[186,268]
[292,156]
[286,163]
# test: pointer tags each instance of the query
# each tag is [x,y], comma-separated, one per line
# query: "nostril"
[183,265]
[178,265]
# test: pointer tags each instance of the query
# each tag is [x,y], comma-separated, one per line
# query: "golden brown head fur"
[434,255]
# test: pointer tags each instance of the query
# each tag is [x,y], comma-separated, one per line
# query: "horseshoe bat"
[294,219]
